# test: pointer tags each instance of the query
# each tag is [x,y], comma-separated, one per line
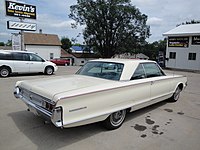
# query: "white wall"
[181,61]
[44,51]
[81,61]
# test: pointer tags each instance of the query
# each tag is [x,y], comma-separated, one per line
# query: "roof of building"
[41,39]
[65,54]
[77,48]
[81,49]
[131,56]
[85,55]
[188,29]
[142,56]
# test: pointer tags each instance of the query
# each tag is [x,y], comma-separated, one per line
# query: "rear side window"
[152,70]
[147,70]
[5,56]
[21,56]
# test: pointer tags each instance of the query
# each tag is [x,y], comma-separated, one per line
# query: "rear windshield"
[105,70]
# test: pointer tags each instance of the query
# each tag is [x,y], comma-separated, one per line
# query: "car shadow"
[145,110]
[47,136]
[25,74]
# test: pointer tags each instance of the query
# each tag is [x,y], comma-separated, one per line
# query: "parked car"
[102,90]
[60,61]
[23,62]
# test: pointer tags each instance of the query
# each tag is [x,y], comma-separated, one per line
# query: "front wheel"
[49,70]
[115,120]
[176,95]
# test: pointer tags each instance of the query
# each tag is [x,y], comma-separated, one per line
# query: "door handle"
[152,82]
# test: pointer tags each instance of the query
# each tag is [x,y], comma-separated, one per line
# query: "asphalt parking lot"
[163,126]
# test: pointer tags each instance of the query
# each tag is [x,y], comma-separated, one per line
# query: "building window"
[172,55]
[192,56]
[51,55]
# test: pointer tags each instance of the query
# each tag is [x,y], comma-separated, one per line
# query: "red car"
[60,61]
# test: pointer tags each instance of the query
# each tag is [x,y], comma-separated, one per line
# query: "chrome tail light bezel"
[56,117]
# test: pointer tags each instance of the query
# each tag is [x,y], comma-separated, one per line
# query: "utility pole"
[22,35]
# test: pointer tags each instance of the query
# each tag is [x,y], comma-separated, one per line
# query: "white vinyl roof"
[188,29]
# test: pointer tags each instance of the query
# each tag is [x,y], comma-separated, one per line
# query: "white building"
[48,46]
[183,47]
[131,56]
[78,59]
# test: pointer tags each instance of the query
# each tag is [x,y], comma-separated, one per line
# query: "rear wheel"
[49,70]
[115,120]
[4,72]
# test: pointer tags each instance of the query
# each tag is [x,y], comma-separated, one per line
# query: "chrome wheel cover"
[177,94]
[4,72]
[49,71]
[117,118]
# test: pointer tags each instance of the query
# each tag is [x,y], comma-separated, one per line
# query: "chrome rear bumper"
[37,110]
[55,116]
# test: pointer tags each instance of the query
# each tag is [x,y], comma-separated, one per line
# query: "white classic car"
[102,90]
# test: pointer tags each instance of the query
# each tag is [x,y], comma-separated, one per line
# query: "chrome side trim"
[120,87]
[77,109]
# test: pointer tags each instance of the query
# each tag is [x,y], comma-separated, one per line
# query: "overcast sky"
[52,16]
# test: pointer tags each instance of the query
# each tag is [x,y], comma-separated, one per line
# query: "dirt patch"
[151,127]
[143,135]
[139,127]
[180,113]
[149,121]
[168,110]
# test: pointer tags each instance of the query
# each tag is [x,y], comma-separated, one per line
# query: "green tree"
[66,43]
[2,43]
[9,43]
[152,49]
[112,26]
[189,22]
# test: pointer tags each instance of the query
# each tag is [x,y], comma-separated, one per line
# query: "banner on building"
[16,9]
[21,26]
[196,40]
[178,41]
[16,41]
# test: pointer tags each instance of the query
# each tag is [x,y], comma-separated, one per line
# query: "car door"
[160,84]
[20,62]
[36,63]
[142,88]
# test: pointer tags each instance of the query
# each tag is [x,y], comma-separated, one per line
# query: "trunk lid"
[49,87]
